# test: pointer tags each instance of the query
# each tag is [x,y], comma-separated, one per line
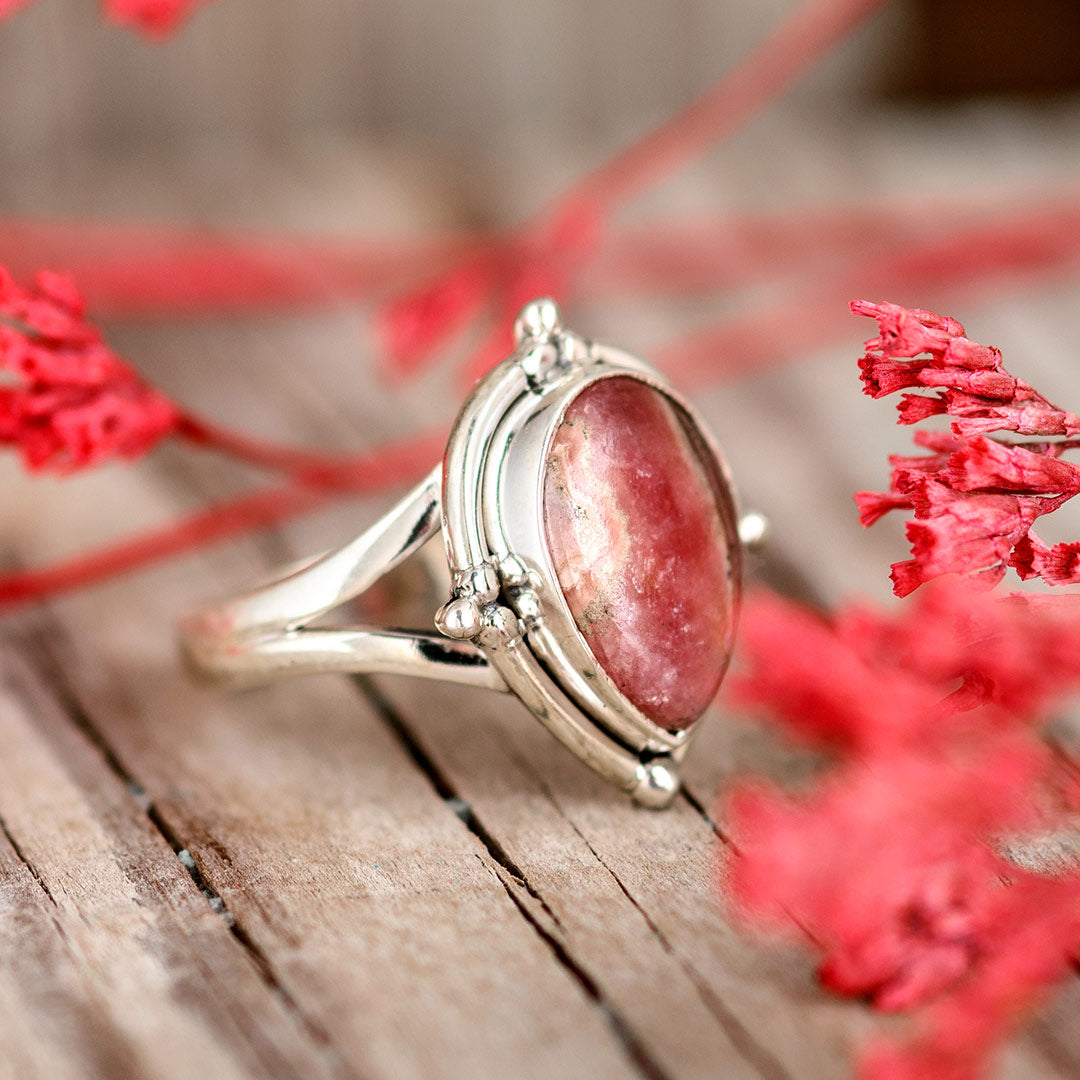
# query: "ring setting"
[591,534]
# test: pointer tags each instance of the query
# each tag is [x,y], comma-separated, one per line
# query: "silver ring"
[592,538]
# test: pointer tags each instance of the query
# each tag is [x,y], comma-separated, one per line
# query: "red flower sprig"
[68,402]
[9,7]
[72,402]
[894,863]
[974,498]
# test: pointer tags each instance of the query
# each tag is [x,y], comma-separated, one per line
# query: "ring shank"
[263,634]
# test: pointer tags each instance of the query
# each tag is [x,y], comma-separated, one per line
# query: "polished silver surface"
[506,625]
[263,634]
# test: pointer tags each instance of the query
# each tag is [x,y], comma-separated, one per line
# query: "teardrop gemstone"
[636,535]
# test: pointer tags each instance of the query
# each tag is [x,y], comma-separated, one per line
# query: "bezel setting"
[505,595]
[507,626]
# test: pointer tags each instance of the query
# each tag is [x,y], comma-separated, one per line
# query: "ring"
[592,539]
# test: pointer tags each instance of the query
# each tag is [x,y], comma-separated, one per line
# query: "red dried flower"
[155,18]
[866,682]
[1036,931]
[892,863]
[70,401]
[888,867]
[974,499]
[825,690]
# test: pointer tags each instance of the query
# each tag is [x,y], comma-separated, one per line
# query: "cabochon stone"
[636,536]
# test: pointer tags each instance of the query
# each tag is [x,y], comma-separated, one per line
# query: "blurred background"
[405,120]
[478,91]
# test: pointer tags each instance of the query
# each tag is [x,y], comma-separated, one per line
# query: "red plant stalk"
[554,245]
[73,403]
[137,271]
[974,497]
[149,271]
[970,260]
[356,474]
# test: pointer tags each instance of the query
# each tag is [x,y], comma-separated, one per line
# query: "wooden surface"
[382,879]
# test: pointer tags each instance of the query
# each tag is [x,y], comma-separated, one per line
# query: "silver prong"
[537,320]
[538,362]
[753,529]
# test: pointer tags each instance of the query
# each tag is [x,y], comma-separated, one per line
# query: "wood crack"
[744,1042]
[22,857]
[625,1034]
[631,1043]
[699,808]
[461,808]
[43,659]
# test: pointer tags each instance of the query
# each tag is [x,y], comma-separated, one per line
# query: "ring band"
[592,539]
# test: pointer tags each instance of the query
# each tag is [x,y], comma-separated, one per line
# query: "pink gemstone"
[636,536]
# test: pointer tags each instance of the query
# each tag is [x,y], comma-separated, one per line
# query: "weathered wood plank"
[116,962]
[661,866]
[381,917]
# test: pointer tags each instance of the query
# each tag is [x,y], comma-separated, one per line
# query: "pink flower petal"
[873,505]
[983,464]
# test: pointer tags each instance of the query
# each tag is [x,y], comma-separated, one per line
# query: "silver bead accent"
[479,581]
[513,572]
[658,784]
[459,618]
[527,605]
[537,320]
[539,362]
[500,627]
[753,529]
[572,349]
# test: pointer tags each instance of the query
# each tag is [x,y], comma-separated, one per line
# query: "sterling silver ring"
[593,544]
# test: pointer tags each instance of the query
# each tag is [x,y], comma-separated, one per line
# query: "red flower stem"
[308,465]
[233,518]
[679,256]
[778,62]
[146,271]
[378,470]
[569,227]
[971,260]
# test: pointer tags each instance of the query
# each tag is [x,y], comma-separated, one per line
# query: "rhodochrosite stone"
[637,539]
